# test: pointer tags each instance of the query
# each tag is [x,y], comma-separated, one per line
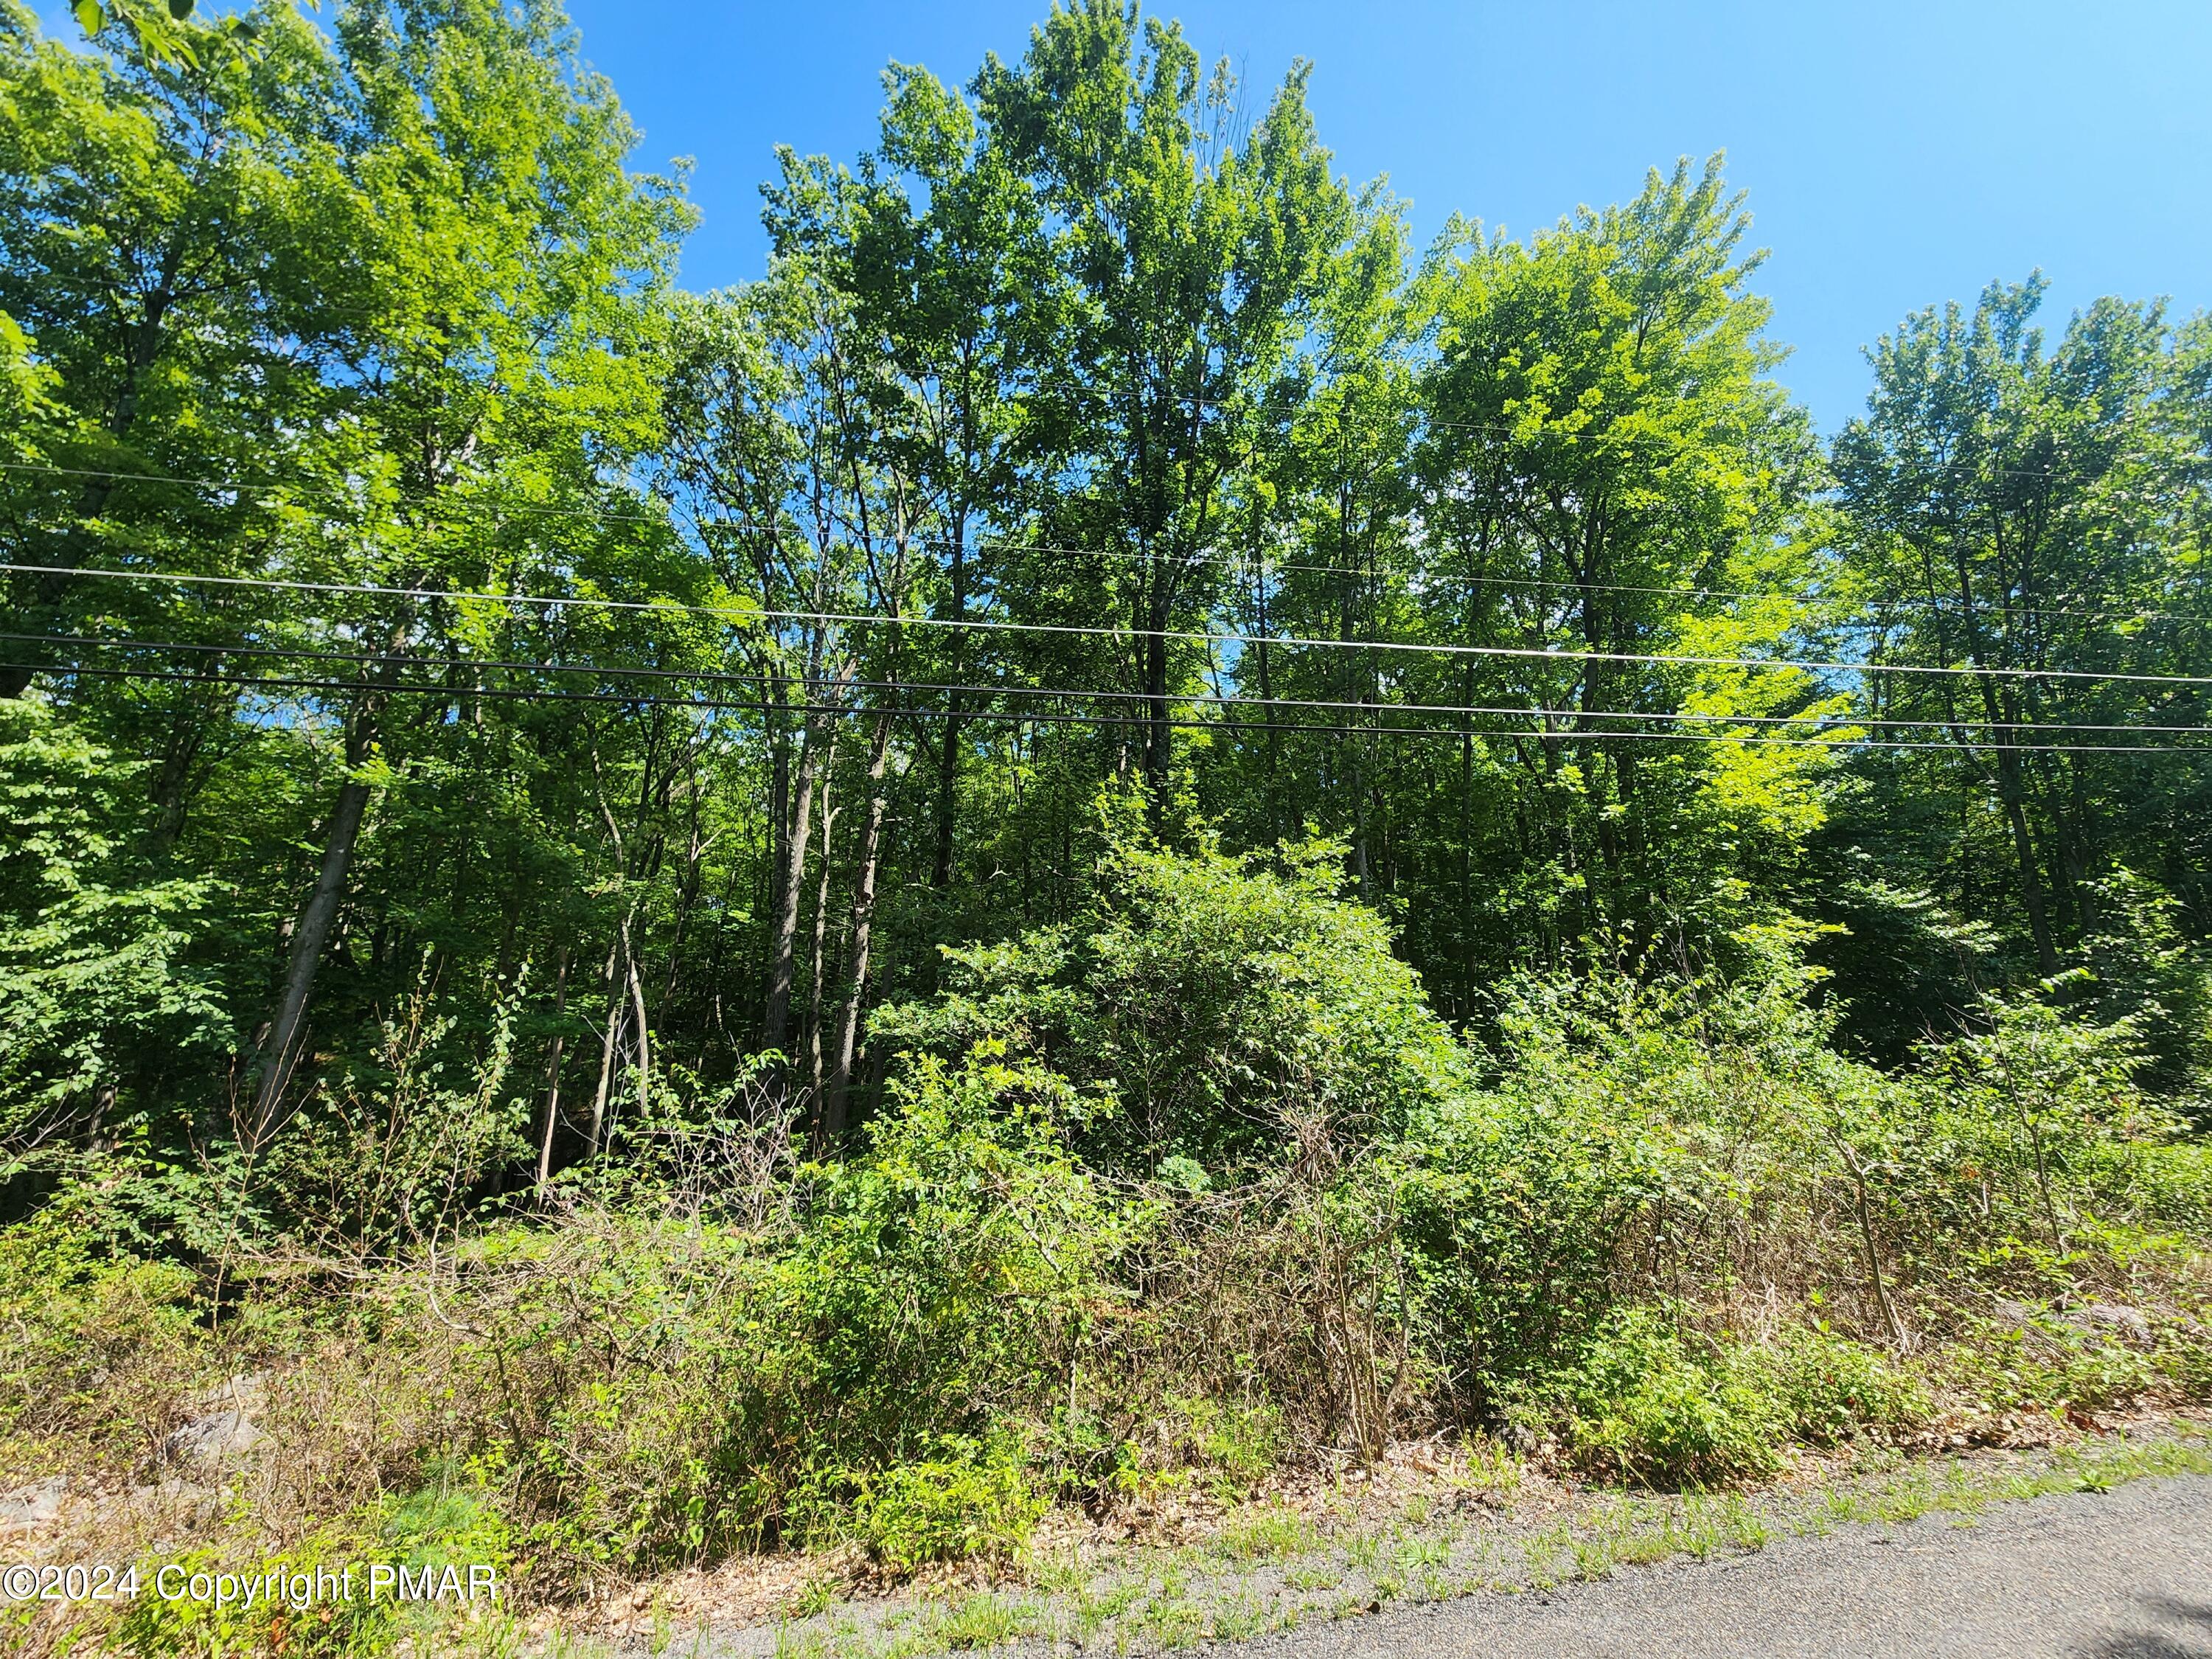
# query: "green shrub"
[1619,1111]
[1078,1455]
[87,1339]
[2174,1182]
[1828,1388]
[152,1626]
[1239,1443]
[1661,1406]
[2184,1359]
[438,1527]
[670,1393]
[452,1520]
[1217,1000]
[2043,1109]
[965,1509]
[2045,1364]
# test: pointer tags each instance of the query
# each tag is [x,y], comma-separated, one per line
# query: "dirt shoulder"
[1431,1525]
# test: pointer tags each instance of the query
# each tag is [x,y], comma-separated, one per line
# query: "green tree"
[373,306]
[2016,521]
[102,1006]
[1605,455]
[1196,252]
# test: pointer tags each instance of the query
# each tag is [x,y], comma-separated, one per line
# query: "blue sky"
[1896,155]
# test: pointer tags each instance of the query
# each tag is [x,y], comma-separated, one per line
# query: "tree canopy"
[412,591]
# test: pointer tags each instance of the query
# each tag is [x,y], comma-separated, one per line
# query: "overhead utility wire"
[1593,436]
[848,710]
[733,614]
[446,507]
[704,675]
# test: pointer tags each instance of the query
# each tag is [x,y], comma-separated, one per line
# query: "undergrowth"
[1169,1207]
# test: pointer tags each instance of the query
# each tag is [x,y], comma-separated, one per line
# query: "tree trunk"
[179,773]
[606,1075]
[948,758]
[606,1051]
[1268,713]
[775,1027]
[637,1008]
[2031,875]
[820,963]
[836,1119]
[287,1031]
[1158,734]
[1889,1320]
[553,1077]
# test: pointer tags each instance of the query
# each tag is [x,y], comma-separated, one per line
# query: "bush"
[2184,1359]
[1218,1001]
[87,1340]
[675,1392]
[152,1626]
[1659,1402]
[1661,1406]
[441,1527]
[1828,1388]
[1634,1134]
[948,1273]
[2045,1112]
[2043,1362]
[968,1508]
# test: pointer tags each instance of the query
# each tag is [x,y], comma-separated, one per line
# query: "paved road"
[2122,1575]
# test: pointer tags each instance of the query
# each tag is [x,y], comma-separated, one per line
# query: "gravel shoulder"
[2125,1574]
[2100,1546]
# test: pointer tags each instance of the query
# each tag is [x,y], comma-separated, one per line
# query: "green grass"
[1272,1535]
[982,1620]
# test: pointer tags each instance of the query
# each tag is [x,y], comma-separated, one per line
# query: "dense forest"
[1108,731]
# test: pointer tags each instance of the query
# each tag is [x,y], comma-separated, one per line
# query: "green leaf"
[159,43]
[89,16]
[180,9]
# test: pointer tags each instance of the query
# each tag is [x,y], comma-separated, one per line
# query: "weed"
[982,1619]
[1237,1620]
[1271,1535]
[1415,1553]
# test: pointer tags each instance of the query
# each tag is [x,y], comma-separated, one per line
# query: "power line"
[733,614]
[445,506]
[709,704]
[262,487]
[1596,437]
[458,693]
[703,676]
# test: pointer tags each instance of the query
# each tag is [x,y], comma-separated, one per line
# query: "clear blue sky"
[1896,154]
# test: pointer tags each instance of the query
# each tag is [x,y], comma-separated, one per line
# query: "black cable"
[722,677]
[458,693]
[733,614]
[446,507]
